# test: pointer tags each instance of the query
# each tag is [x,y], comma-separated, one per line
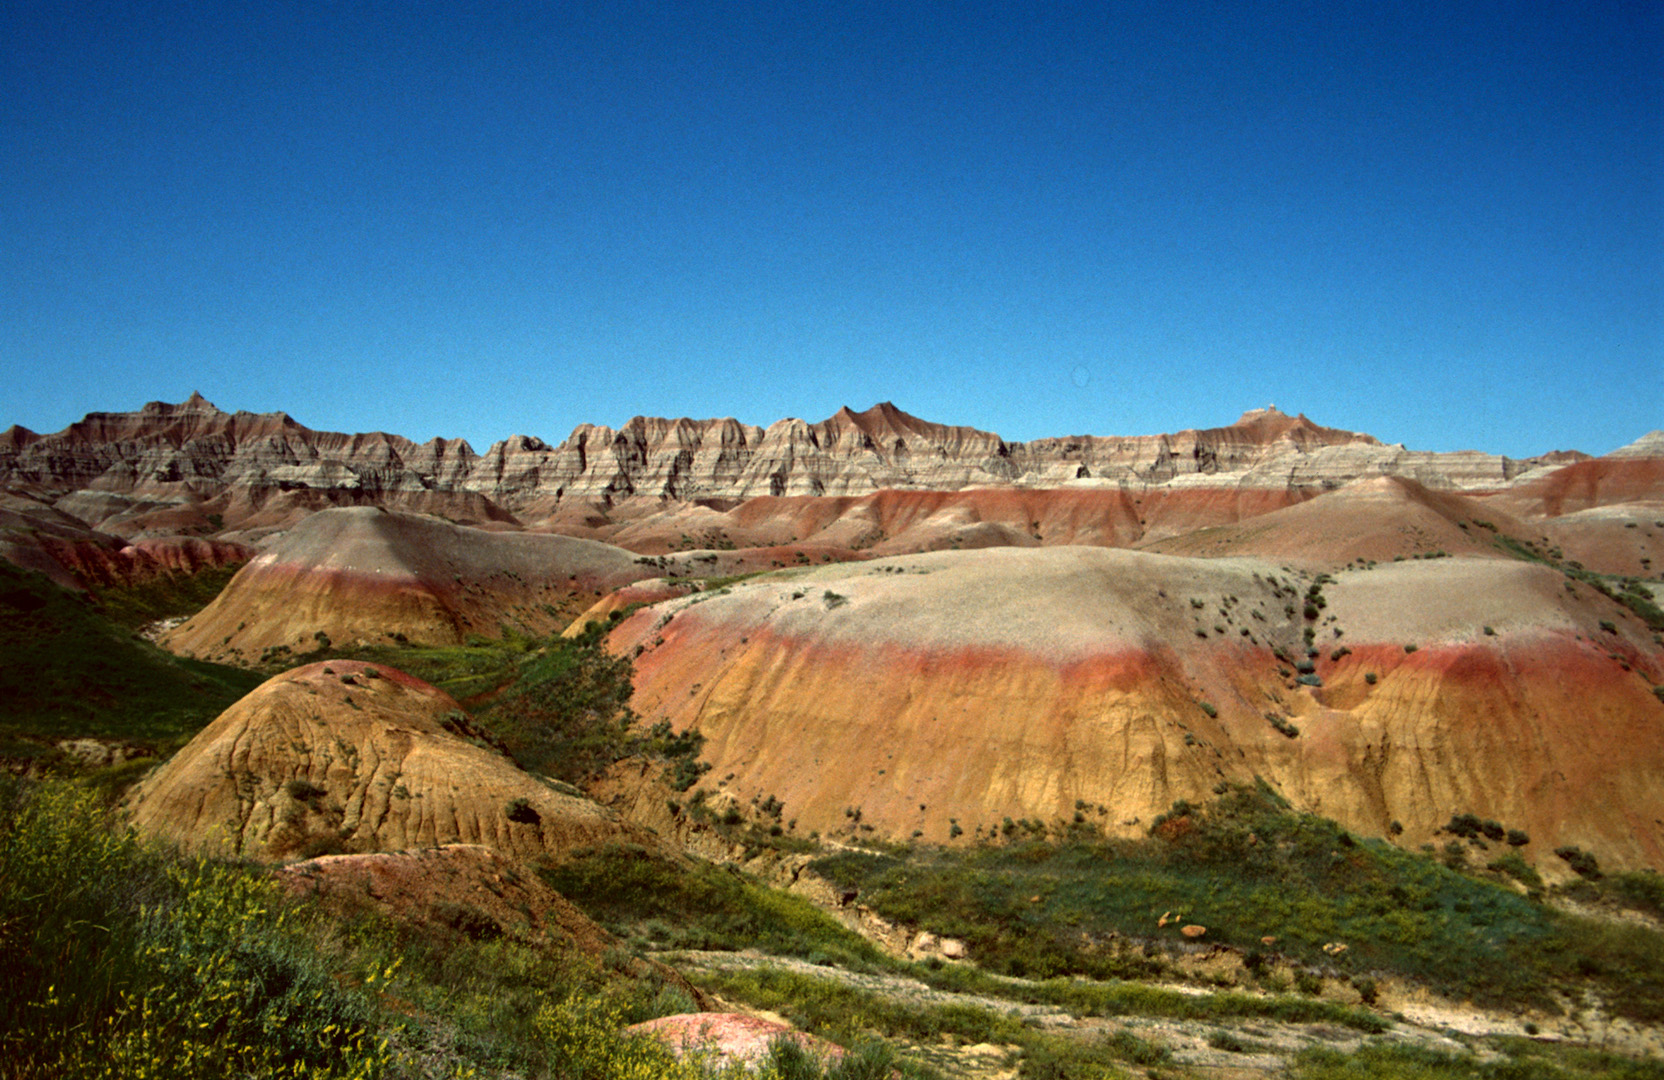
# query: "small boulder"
[1193,931]
[734,1037]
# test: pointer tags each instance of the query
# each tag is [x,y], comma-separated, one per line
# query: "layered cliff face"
[169,469]
[968,687]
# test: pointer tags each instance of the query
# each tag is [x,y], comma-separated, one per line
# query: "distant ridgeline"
[190,467]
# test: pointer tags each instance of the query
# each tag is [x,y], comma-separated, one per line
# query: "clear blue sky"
[1440,223]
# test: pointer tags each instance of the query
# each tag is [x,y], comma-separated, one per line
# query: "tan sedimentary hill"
[893,521]
[1379,520]
[1605,513]
[1630,474]
[364,574]
[351,757]
[170,468]
[1026,683]
[1625,538]
[471,888]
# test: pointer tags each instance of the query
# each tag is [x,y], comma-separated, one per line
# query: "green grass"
[558,706]
[124,960]
[1510,1059]
[1246,867]
[697,905]
[162,596]
[1138,999]
[1640,890]
[842,1012]
[67,670]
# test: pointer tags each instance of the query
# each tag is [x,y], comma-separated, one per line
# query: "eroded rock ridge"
[169,468]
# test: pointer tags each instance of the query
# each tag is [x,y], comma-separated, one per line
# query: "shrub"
[1583,863]
[686,773]
[1518,869]
[521,810]
[566,710]
[581,1036]
[1467,826]
[302,790]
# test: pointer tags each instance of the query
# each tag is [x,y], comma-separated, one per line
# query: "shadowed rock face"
[358,758]
[173,468]
[1018,683]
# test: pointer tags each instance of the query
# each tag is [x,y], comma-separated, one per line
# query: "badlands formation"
[928,693]
[355,757]
[169,469]
[942,629]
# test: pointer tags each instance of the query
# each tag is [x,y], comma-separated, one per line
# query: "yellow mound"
[349,757]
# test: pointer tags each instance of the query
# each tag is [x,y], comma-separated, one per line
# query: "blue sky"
[1442,224]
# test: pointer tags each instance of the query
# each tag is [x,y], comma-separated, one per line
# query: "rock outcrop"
[347,757]
[731,1038]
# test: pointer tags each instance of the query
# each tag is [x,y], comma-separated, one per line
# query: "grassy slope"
[163,596]
[130,961]
[557,706]
[1246,868]
[67,669]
